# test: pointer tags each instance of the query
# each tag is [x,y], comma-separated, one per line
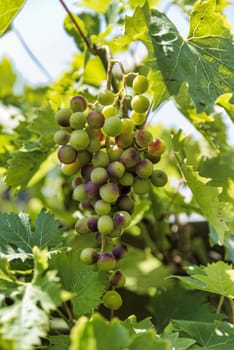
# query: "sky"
[41,25]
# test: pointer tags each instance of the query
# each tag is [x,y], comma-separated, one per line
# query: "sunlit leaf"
[8,10]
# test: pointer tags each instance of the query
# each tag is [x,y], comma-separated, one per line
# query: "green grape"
[62,117]
[77,120]
[125,140]
[101,207]
[78,104]
[109,111]
[71,169]
[130,157]
[95,119]
[106,262]
[144,168]
[67,154]
[116,169]
[79,139]
[114,152]
[112,126]
[121,219]
[140,84]
[112,300]
[89,256]
[140,103]
[100,159]
[126,203]
[105,224]
[84,157]
[127,126]
[61,137]
[81,226]
[143,138]
[79,193]
[156,148]
[106,98]
[141,186]
[109,192]
[99,175]
[94,145]
[137,118]
[159,178]
[127,179]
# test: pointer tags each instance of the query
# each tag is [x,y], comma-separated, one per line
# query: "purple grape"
[119,251]
[130,157]
[92,190]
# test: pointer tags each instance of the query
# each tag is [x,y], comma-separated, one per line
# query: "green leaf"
[8,10]
[97,6]
[59,342]
[215,336]
[80,279]
[149,341]
[177,342]
[215,278]
[135,327]
[227,102]
[8,282]
[8,77]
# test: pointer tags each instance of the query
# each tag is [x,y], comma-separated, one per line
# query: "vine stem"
[68,321]
[231,302]
[219,306]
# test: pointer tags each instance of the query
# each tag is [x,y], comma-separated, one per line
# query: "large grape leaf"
[8,10]
[80,279]
[208,336]
[215,278]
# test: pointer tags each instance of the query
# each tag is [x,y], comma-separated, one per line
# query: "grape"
[156,148]
[77,120]
[143,138]
[114,152]
[112,126]
[99,175]
[67,154]
[124,140]
[140,84]
[95,119]
[101,207]
[79,139]
[94,133]
[89,256]
[106,261]
[105,224]
[141,186]
[130,157]
[100,159]
[81,226]
[137,118]
[78,104]
[140,103]
[62,117]
[71,169]
[76,181]
[144,168]
[117,279]
[109,192]
[126,203]
[112,300]
[79,193]
[127,126]
[127,179]
[120,251]
[121,219]
[92,223]
[109,111]
[86,171]
[61,137]
[84,157]
[86,204]
[106,97]
[116,169]
[94,145]
[92,190]
[159,178]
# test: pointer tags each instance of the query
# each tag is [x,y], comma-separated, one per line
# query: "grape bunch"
[110,155]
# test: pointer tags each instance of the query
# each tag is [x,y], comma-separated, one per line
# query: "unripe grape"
[77,181]
[127,126]
[144,168]
[109,192]
[61,137]
[143,138]
[92,223]
[79,140]
[105,224]
[99,175]
[95,119]
[137,118]
[106,97]
[78,104]
[89,256]
[120,251]
[77,120]
[67,154]
[109,111]
[86,171]
[81,226]
[121,219]
[92,190]
[114,152]
[125,202]
[127,179]
[140,103]
[130,157]
[79,193]
[94,133]
[117,279]
[124,140]
[112,126]
[140,84]
[84,157]
[100,159]
[94,145]
[101,207]
[159,178]
[116,169]
[156,147]
[71,169]
[141,186]
[86,204]
[112,300]
[62,117]
[106,262]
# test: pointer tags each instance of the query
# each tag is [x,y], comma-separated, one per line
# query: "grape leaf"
[26,321]
[147,340]
[8,77]
[81,280]
[97,6]
[59,342]
[135,327]
[177,342]
[8,10]
[215,278]
[215,336]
